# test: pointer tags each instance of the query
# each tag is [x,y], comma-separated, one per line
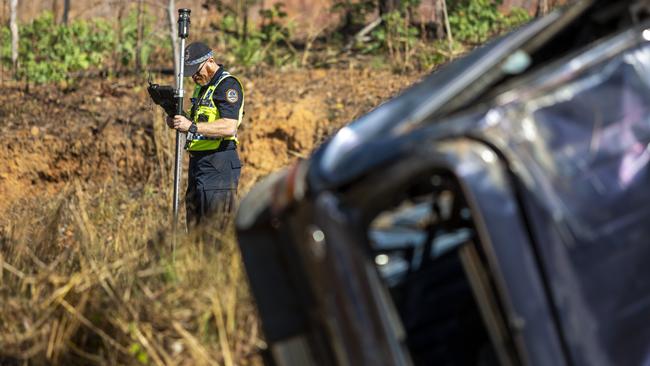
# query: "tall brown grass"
[90,278]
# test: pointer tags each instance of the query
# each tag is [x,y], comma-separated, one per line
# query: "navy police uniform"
[214,167]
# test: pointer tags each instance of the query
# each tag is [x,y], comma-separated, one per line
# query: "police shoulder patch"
[232,96]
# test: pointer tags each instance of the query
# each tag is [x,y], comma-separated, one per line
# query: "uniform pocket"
[235,172]
[218,202]
[218,163]
[225,168]
[235,163]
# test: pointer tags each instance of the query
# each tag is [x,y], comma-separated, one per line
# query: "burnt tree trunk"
[138,41]
[245,19]
[66,11]
[440,19]
[386,6]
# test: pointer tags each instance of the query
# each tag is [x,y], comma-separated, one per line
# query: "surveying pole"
[183,32]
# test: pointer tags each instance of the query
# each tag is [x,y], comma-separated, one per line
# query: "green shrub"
[50,52]
[476,21]
[354,14]
[270,43]
[5,54]
[396,36]
[128,37]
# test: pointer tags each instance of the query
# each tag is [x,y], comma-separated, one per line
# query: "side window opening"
[425,249]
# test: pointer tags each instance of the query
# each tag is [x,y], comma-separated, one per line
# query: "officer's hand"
[170,121]
[181,123]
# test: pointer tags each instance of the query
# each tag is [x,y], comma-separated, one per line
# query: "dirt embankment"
[103,130]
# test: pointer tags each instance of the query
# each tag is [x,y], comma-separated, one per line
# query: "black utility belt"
[224,146]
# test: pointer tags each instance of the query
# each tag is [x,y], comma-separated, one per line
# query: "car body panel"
[552,162]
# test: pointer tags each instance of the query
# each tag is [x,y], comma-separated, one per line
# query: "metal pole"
[183,31]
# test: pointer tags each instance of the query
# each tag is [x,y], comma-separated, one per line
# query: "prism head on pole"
[183,22]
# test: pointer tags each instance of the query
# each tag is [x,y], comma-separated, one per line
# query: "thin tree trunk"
[450,38]
[66,10]
[117,58]
[13,26]
[171,18]
[386,6]
[542,7]
[138,41]
[440,20]
[245,10]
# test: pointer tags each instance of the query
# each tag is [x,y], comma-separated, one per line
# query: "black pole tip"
[183,22]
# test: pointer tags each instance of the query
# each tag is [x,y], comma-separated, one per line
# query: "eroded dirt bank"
[106,129]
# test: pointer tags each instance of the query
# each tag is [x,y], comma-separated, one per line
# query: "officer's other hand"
[180,123]
[170,121]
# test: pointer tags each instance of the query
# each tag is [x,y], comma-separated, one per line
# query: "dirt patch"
[102,130]
[292,112]
[52,137]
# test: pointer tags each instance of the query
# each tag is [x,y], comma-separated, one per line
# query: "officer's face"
[202,76]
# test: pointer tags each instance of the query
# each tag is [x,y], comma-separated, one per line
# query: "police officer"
[216,112]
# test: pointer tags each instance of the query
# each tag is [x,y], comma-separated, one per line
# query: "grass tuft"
[94,281]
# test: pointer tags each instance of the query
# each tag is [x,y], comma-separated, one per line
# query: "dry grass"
[90,278]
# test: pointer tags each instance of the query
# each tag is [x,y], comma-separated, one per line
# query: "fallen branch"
[83,320]
[362,33]
[195,347]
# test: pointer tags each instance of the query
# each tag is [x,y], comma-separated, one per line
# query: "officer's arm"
[228,98]
[223,127]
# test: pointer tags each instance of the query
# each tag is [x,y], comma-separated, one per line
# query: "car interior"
[425,248]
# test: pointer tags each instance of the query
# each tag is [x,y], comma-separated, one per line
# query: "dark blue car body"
[497,213]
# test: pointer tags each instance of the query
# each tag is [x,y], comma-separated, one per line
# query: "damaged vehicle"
[496,213]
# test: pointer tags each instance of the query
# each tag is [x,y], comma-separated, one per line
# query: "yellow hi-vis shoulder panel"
[208,113]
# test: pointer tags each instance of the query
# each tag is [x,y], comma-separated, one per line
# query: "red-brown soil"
[102,130]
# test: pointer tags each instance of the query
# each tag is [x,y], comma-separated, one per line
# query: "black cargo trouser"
[212,187]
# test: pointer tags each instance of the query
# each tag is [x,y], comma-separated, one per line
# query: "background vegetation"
[52,51]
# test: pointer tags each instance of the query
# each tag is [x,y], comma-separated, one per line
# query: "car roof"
[447,90]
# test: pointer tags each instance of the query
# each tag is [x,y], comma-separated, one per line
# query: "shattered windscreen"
[577,135]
